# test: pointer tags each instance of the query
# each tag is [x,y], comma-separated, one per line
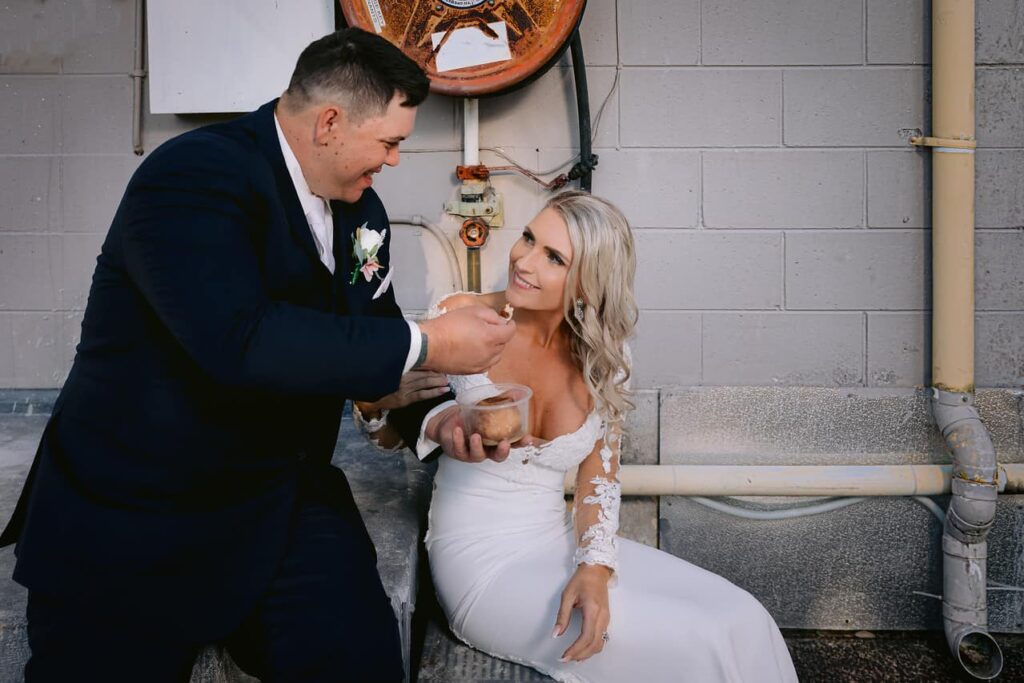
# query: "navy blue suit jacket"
[215,358]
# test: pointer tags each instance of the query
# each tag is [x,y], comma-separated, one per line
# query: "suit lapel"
[344,230]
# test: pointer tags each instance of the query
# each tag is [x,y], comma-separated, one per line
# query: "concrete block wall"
[759,151]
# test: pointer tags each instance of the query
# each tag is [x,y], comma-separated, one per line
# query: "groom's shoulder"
[220,150]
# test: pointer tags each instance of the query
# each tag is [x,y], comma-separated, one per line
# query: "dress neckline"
[440,310]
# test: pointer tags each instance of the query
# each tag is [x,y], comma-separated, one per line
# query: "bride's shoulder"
[455,300]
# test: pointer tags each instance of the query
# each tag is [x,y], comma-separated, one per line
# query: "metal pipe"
[446,246]
[471,131]
[797,480]
[138,73]
[974,485]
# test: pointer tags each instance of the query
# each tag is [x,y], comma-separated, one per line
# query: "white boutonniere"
[365,244]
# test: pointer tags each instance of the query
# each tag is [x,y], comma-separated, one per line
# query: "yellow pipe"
[953,196]
[796,480]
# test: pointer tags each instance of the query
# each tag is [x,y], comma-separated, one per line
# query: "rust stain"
[480,172]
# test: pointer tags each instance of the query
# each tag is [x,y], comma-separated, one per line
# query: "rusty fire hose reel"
[536,32]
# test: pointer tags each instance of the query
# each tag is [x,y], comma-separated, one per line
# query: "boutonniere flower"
[365,244]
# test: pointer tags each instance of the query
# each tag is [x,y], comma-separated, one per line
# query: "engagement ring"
[604,636]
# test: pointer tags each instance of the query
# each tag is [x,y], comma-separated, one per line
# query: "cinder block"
[666,351]
[858,270]
[79,251]
[99,36]
[438,125]
[30,273]
[890,550]
[598,33]
[750,425]
[420,184]
[701,107]
[782,32]
[523,198]
[999,188]
[660,32]
[91,189]
[96,115]
[783,189]
[640,443]
[32,38]
[70,336]
[29,187]
[687,269]
[899,32]
[1000,90]
[543,114]
[38,362]
[422,274]
[30,115]
[821,349]
[855,107]
[999,350]
[899,349]
[899,189]
[638,519]
[654,188]
[998,273]
[1000,25]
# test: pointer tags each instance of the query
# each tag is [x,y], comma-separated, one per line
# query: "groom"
[182,492]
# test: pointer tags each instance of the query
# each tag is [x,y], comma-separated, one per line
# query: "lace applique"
[599,543]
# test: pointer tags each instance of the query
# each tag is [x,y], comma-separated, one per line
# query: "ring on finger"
[605,637]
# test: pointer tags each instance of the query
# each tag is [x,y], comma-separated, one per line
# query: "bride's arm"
[596,521]
[596,503]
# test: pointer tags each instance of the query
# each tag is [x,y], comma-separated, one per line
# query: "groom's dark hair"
[359,70]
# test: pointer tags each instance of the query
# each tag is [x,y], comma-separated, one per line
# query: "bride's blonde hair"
[601,273]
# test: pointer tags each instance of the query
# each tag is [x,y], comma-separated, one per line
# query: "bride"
[516,575]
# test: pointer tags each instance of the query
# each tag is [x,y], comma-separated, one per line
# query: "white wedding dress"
[502,548]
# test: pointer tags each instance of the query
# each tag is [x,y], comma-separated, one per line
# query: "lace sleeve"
[596,507]
[598,497]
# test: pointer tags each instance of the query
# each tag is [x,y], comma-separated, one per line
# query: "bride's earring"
[577,311]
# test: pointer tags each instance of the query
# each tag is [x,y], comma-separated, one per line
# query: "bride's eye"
[555,259]
[527,237]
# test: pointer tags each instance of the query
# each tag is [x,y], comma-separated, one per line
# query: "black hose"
[588,161]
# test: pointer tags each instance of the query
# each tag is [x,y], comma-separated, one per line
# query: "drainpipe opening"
[979,654]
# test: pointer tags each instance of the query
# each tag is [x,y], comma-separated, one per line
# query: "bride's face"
[538,264]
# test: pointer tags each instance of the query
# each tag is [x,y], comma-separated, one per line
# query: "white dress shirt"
[321,224]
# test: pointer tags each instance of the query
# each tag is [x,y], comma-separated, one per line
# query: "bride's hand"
[587,590]
[415,386]
[446,428]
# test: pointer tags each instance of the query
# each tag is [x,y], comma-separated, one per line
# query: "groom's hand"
[446,428]
[466,341]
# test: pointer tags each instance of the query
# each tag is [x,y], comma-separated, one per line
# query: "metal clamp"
[923,141]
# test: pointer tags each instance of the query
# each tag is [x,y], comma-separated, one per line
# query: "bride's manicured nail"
[563,659]
[554,634]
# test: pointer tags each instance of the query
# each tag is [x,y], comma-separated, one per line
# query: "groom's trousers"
[324,618]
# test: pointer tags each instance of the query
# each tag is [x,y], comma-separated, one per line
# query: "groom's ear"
[330,122]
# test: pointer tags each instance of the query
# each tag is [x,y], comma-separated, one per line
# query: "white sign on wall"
[228,55]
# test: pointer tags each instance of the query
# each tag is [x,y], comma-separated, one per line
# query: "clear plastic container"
[496,411]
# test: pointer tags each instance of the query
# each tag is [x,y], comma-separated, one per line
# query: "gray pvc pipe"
[972,509]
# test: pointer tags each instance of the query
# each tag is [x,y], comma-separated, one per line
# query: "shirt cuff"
[415,343]
[425,446]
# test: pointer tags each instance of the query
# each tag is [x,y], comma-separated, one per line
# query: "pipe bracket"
[924,141]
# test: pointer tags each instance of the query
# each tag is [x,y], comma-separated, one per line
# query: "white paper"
[470,47]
